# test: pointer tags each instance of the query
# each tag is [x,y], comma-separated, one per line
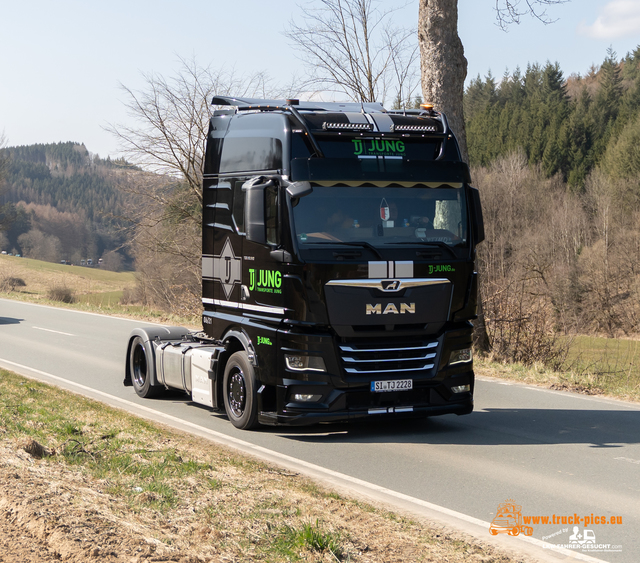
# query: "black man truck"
[338,282]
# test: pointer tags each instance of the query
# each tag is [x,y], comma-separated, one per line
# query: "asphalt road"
[556,454]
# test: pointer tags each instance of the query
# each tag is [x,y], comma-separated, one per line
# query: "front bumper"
[298,416]
[343,392]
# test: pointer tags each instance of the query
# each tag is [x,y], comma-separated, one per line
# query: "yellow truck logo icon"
[508,520]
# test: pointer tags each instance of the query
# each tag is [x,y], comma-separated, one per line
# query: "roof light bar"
[328,126]
[415,128]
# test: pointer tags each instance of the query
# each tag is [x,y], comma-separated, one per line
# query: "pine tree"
[610,93]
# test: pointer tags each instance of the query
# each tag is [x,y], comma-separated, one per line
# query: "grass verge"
[77,287]
[166,494]
[594,366]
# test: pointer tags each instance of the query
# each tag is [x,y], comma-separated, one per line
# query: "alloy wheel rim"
[139,366]
[237,393]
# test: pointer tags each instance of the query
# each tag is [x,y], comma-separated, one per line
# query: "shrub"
[133,296]
[10,283]
[62,294]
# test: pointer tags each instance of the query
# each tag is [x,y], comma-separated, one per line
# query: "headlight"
[306,397]
[460,356]
[304,363]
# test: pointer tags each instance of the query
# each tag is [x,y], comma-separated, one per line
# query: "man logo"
[390,285]
[390,309]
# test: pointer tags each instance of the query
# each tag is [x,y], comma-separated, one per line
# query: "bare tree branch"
[511,11]
[171,119]
[166,143]
[351,47]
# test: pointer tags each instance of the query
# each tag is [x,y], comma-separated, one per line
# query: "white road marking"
[56,331]
[260,451]
[102,315]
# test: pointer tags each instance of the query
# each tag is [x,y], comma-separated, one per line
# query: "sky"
[63,62]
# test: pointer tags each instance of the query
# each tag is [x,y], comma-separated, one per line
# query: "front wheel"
[140,369]
[240,397]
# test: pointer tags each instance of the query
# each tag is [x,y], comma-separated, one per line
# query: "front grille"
[396,360]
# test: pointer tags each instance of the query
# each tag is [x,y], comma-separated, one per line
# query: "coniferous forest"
[59,202]
[557,162]
[568,126]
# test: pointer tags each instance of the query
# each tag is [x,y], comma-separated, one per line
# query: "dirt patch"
[50,512]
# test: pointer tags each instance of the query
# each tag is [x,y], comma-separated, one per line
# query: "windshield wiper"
[432,244]
[361,244]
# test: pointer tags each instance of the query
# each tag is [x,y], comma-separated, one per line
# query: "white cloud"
[619,18]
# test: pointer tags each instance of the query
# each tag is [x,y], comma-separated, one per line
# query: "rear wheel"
[140,369]
[240,397]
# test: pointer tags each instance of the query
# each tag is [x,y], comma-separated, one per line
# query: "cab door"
[262,272]
[225,266]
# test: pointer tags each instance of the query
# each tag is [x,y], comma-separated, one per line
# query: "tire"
[493,532]
[515,531]
[140,369]
[239,389]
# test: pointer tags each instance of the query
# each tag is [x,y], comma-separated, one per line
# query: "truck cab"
[338,276]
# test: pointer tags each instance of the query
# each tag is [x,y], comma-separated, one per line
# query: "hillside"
[60,202]
[557,164]
[567,126]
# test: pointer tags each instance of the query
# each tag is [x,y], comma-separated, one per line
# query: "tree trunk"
[443,65]
[444,69]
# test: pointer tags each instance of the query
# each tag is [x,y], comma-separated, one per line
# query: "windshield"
[381,216]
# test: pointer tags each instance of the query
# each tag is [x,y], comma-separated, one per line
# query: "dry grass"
[40,276]
[105,486]
[587,380]
[88,289]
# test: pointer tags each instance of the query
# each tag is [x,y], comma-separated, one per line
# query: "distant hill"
[62,203]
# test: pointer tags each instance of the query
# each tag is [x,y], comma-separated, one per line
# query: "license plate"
[392,385]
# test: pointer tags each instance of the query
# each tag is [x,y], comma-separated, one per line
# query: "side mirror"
[254,219]
[476,216]
[299,189]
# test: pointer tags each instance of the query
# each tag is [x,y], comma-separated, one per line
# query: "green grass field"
[612,363]
[91,289]
[594,365]
[39,275]
[104,299]
[51,268]
[39,281]
[192,499]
